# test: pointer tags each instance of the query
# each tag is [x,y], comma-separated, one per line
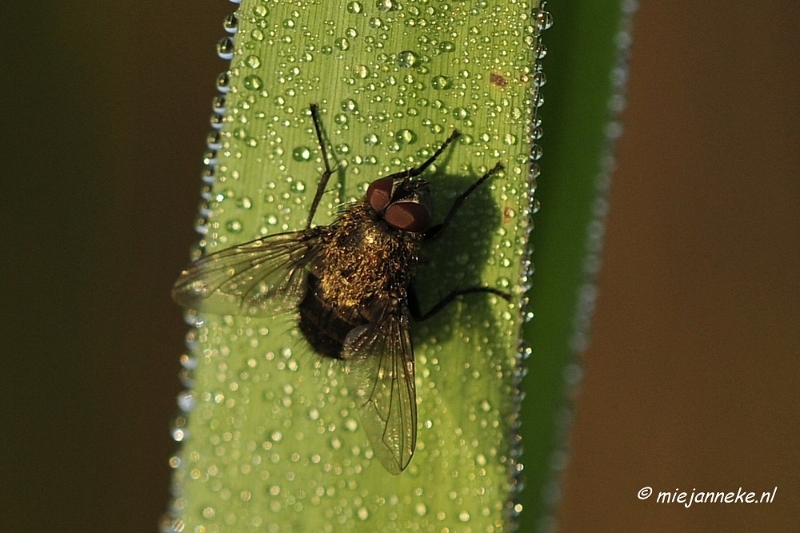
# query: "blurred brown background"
[693,377]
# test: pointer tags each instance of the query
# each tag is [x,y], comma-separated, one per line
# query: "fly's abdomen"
[321,323]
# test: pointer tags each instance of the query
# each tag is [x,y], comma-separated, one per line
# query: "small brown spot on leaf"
[498,79]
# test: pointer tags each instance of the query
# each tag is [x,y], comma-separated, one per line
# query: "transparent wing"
[379,361]
[260,278]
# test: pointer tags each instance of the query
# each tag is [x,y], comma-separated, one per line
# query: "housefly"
[350,285]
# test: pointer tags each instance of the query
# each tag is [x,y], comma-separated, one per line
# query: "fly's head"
[403,202]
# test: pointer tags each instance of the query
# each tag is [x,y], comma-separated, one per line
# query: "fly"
[351,286]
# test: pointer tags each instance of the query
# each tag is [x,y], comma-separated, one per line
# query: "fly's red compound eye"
[379,193]
[408,216]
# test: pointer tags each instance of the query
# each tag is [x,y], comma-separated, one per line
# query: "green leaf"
[273,442]
[585,65]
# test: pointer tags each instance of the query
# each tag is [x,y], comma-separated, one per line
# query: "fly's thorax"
[365,258]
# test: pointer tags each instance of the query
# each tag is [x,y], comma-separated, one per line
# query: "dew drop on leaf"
[407,58]
[301,153]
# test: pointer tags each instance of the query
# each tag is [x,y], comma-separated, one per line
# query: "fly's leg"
[323,180]
[416,171]
[419,316]
[434,231]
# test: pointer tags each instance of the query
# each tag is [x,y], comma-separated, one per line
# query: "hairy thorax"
[363,259]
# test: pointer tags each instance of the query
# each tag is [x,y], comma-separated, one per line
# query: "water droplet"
[407,58]
[218,104]
[225,48]
[213,140]
[223,82]
[234,226]
[349,105]
[257,35]
[544,20]
[210,158]
[362,71]
[509,139]
[371,139]
[342,44]
[534,172]
[460,113]
[440,82]
[375,22]
[186,401]
[253,61]
[188,362]
[355,7]
[385,5]
[446,46]
[301,153]
[406,136]
[231,23]
[253,82]
[178,434]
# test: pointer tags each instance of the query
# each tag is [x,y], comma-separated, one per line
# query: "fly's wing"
[379,361]
[259,278]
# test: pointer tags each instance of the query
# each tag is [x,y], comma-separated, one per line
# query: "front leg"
[434,231]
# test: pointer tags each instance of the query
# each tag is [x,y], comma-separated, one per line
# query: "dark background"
[692,380]
[693,377]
